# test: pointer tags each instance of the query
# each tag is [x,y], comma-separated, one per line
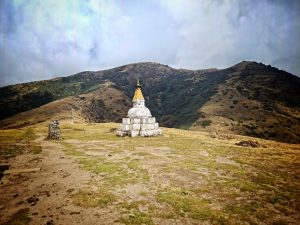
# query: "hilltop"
[248,98]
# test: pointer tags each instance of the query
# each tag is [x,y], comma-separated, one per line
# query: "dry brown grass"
[181,177]
[190,176]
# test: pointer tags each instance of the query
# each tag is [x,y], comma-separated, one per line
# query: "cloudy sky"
[42,39]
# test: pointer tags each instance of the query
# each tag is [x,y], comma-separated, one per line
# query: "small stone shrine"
[54,130]
[139,121]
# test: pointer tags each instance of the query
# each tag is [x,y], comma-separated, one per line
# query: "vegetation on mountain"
[249,98]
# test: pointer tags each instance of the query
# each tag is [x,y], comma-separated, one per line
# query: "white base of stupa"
[145,127]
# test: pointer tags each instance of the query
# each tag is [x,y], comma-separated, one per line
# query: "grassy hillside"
[103,104]
[248,98]
[255,100]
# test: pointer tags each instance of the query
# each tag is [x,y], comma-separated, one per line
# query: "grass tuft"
[19,218]
[187,205]
[36,149]
[133,215]
[89,199]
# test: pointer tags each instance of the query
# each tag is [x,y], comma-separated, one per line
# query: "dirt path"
[46,193]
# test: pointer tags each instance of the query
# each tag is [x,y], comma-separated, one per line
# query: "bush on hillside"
[204,123]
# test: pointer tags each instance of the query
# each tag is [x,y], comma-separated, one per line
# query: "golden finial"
[138,95]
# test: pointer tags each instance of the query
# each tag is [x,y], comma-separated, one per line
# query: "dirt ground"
[93,177]
[50,186]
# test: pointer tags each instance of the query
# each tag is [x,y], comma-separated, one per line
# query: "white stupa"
[139,121]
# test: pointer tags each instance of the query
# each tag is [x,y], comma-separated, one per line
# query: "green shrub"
[204,123]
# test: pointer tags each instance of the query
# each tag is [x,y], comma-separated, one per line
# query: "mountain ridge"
[248,98]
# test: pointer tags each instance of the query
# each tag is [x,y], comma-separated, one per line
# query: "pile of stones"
[54,130]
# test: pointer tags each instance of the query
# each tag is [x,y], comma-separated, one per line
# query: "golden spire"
[138,95]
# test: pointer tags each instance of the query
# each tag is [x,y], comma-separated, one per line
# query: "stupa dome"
[139,111]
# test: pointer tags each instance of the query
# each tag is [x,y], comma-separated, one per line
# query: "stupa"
[139,121]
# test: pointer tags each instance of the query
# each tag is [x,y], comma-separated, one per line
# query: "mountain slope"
[104,104]
[258,101]
[248,98]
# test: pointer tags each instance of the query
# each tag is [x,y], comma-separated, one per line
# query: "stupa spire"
[138,95]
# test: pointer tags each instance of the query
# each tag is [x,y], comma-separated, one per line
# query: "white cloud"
[222,33]
[43,39]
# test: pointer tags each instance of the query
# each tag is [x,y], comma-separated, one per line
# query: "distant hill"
[249,98]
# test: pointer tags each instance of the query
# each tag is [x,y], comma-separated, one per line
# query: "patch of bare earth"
[47,192]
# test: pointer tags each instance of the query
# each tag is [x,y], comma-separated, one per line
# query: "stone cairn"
[139,121]
[54,130]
